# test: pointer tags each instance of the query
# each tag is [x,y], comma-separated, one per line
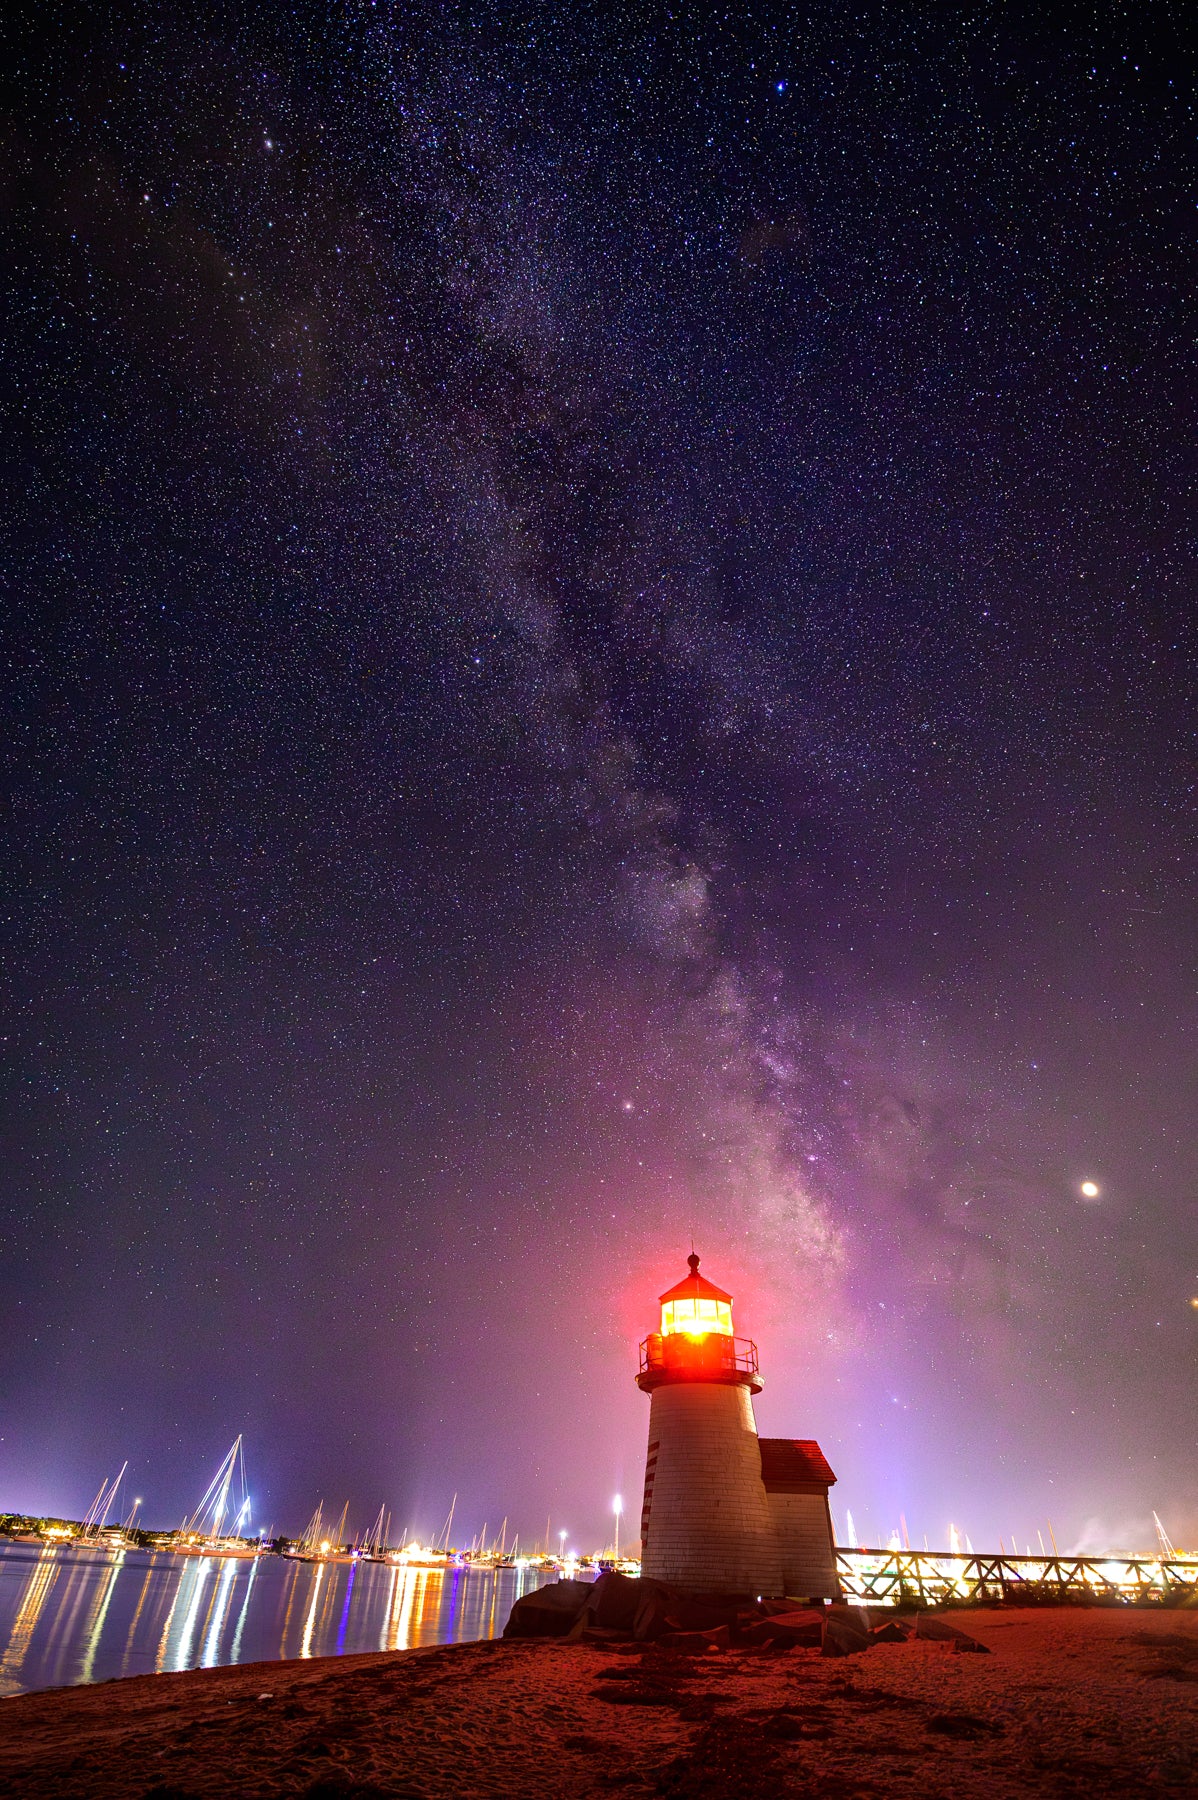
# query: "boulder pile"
[636,1610]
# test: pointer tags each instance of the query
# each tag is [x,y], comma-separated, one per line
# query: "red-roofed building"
[796,1477]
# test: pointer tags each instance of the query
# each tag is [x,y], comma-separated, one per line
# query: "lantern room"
[695,1342]
[695,1306]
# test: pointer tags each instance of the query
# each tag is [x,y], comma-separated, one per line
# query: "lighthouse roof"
[695,1286]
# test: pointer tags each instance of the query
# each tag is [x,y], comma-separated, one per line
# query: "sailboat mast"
[111,1496]
[94,1508]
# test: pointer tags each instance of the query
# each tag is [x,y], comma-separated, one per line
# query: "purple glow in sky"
[603,652]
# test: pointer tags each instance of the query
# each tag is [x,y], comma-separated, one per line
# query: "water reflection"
[95,1622]
[218,1613]
[33,1597]
[235,1654]
[70,1616]
[306,1646]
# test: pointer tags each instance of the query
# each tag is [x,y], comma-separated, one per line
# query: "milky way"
[600,653]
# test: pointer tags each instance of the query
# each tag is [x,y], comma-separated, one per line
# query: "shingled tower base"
[713,1520]
[706,1521]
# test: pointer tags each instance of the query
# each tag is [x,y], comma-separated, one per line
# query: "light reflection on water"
[69,1616]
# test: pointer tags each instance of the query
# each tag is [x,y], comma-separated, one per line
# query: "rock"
[856,1616]
[615,1599]
[792,1629]
[894,1631]
[548,1611]
[962,1725]
[645,1610]
[928,1628]
[696,1642]
[843,1637]
[701,1612]
[652,1617]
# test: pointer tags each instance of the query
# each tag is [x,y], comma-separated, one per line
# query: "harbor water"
[70,1616]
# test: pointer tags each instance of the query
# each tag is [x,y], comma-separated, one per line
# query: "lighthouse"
[723,1510]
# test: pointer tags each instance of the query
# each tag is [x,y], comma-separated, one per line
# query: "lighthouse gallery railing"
[710,1356]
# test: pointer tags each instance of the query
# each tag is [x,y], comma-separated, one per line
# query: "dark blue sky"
[600,647]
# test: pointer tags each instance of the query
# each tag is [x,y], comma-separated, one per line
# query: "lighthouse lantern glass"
[695,1317]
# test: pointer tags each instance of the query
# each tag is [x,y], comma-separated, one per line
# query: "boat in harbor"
[218,1525]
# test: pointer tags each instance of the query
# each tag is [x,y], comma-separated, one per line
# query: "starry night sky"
[600,647]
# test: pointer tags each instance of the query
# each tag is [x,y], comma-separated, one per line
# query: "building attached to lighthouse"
[724,1510]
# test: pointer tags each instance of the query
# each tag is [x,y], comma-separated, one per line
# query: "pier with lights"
[933,1578]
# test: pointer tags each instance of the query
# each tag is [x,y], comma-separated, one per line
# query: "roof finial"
[692,1261]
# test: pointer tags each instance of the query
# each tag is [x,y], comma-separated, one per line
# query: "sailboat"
[433,1556]
[374,1546]
[217,1525]
[94,1533]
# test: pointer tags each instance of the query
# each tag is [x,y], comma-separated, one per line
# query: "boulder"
[615,1599]
[548,1611]
[843,1637]
[696,1642]
[894,1631]
[929,1628]
[791,1630]
[856,1616]
[646,1610]
[703,1612]
[652,1616]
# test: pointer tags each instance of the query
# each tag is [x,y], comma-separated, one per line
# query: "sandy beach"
[1070,1702]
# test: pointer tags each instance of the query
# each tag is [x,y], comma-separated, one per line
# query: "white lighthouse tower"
[706,1523]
